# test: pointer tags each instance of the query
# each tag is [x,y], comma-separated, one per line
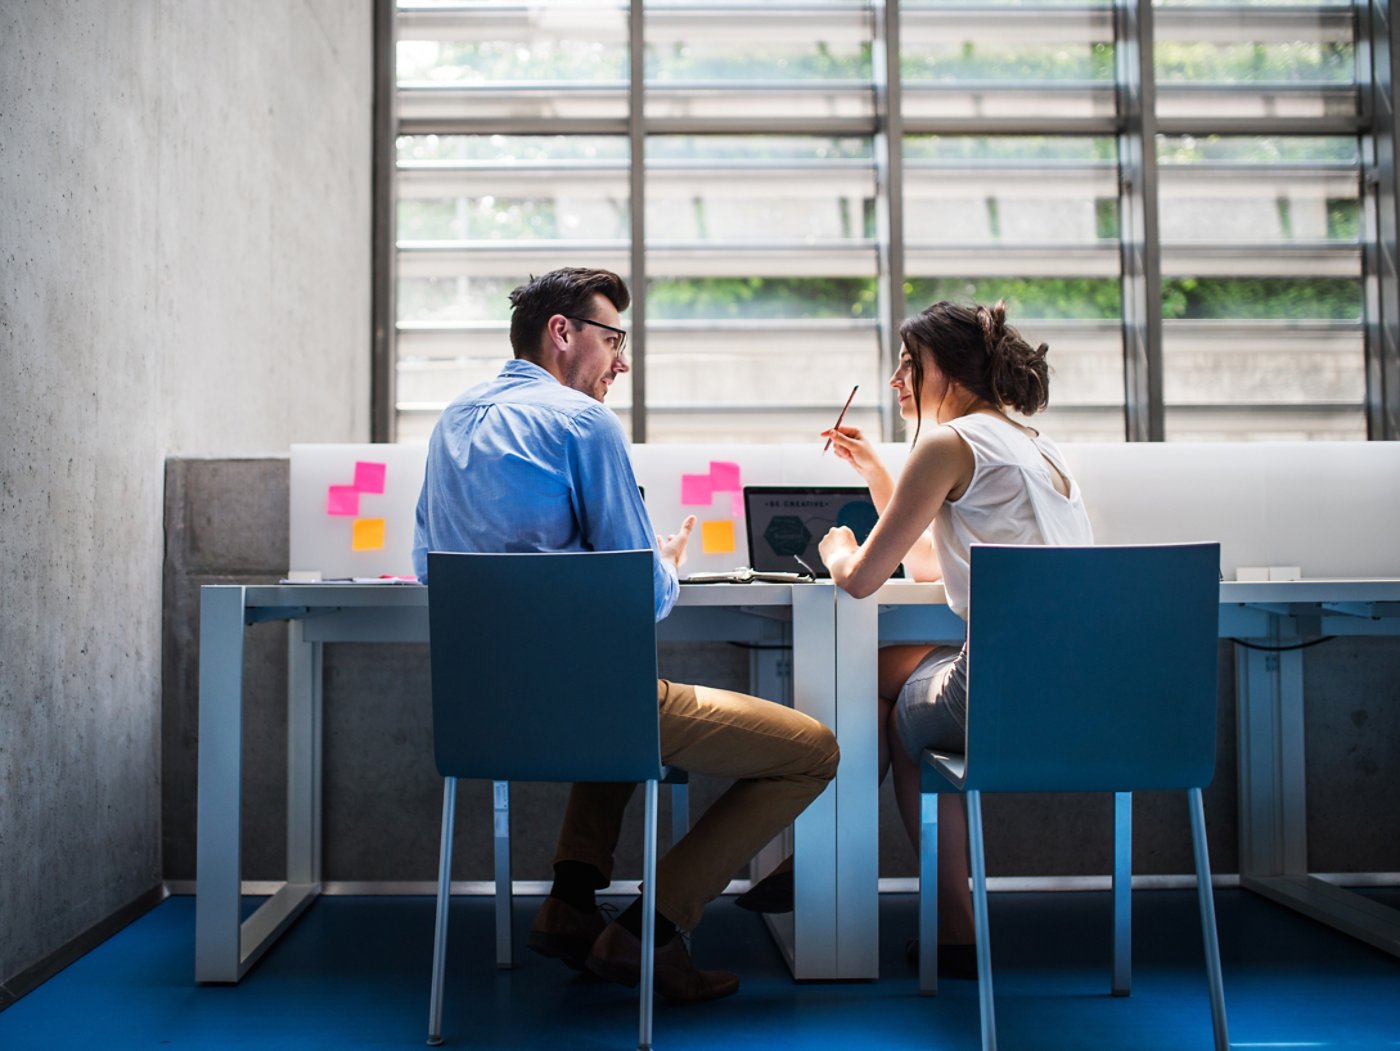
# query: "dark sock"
[631,921]
[574,884]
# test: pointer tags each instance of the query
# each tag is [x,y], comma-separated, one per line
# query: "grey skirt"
[931,710]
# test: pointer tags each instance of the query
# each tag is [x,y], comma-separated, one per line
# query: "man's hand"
[673,547]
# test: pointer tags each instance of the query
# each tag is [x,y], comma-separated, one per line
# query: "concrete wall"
[185,251]
[382,799]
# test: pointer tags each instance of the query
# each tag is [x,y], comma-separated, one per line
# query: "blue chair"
[1089,670]
[543,669]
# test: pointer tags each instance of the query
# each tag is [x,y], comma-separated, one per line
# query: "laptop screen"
[788,520]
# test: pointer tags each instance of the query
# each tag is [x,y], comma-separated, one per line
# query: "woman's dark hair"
[569,291]
[975,347]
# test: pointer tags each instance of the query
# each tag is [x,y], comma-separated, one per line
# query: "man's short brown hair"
[568,291]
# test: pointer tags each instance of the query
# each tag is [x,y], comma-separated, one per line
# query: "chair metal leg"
[979,919]
[1212,941]
[1122,893]
[648,919]
[501,823]
[444,897]
[680,812]
[928,894]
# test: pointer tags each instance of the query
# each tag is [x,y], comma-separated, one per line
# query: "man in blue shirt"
[532,461]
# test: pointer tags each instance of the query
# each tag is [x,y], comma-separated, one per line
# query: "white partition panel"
[352,508]
[1334,508]
[1149,493]
[1326,507]
[1329,508]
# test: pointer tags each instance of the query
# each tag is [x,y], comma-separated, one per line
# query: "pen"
[841,417]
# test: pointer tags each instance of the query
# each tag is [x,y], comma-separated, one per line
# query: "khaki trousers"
[780,759]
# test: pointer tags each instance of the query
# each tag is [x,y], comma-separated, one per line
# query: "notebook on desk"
[784,525]
[351,511]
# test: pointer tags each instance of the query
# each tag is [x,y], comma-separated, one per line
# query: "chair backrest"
[544,666]
[1092,668]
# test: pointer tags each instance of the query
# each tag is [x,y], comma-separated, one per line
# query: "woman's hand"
[837,546]
[850,444]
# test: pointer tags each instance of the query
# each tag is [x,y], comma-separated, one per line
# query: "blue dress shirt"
[524,463]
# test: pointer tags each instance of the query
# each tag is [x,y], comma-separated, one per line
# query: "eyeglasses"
[619,332]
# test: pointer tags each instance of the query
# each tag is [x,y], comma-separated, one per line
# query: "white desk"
[832,932]
[1269,699]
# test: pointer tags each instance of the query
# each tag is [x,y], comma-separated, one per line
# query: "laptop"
[787,522]
[352,511]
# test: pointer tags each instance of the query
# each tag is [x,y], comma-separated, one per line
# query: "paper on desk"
[301,582]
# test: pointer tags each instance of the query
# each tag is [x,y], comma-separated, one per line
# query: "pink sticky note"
[736,505]
[724,477]
[696,489]
[369,477]
[342,500]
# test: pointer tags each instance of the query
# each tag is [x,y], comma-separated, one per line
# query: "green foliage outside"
[1216,298]
[1076,149]
[1299,62]
[756,298]
[757,60]
[1258,149]
[1241,299]
[718,298]
[1084,298]
[741,148]
[1052,62]
[795,58]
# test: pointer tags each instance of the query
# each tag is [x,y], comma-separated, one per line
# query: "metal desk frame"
[1269,701]
[831,933]
[1269,693]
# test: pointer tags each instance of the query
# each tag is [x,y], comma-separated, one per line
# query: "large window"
[1171,194]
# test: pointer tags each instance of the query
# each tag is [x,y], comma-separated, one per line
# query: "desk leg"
[303,757]
[1273,806]
[220,784]
[810,936]
[226,948]
[303,883]
[857,790]
[1273,810]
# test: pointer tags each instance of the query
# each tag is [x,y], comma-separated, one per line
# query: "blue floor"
[353,973]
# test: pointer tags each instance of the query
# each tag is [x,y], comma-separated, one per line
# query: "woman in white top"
[976,476]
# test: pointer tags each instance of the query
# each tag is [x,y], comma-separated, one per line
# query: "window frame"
[1135,125]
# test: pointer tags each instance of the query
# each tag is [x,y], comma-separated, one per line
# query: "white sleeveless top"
[1011,499]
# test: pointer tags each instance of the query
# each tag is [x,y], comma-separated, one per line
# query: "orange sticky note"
[717,538]
[367,534]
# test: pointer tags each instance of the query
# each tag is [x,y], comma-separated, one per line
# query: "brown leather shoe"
[562,931]
[774,893]
[617,956]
